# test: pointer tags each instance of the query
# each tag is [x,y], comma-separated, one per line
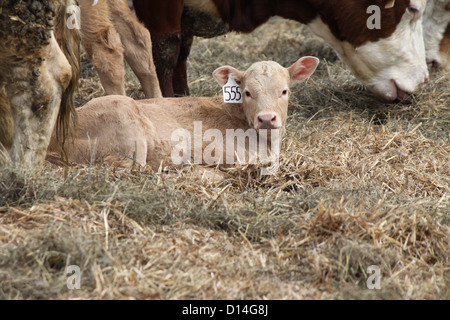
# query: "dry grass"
[361,182]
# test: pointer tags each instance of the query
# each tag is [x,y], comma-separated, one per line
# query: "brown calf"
[111,32]
[115,129]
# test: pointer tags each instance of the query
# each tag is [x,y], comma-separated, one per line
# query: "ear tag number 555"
[232,92]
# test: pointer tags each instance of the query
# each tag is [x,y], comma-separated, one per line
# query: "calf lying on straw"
[170,132]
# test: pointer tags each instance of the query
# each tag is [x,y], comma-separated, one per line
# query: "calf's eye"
[247,93]
[284,92]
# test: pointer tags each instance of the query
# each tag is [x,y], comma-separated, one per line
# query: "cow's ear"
[389,4]
[386,4]
[303,68]
[223,73]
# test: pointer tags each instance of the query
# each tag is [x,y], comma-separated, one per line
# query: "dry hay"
[361,182]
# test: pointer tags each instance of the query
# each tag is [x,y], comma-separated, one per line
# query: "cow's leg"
[180,84]
[137,47]
[102,43]
[35,98]
[6,128]
[165,52]
[6,121]
[163,20]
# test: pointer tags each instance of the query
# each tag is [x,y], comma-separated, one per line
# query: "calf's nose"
[267,121]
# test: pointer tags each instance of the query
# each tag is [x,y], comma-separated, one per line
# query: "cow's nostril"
[435,64]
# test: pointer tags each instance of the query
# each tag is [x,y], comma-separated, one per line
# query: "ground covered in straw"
[361,183]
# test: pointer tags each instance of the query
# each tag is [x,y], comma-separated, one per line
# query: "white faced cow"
[390,61]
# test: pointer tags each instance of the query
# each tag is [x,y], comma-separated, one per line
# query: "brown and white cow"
[436,25]
[115,129]
[39,65]
[390,60]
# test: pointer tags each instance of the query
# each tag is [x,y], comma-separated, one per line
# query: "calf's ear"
[303,68]
[223,73]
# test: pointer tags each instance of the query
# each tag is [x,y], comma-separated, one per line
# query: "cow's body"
[37,80]
[116,129]
[390,61]
[110,34]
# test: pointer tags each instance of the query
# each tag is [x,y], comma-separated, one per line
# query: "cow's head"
[381,41]
[265,89]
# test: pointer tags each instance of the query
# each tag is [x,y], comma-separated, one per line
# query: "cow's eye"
[247,94]
[413,11]
[284,92]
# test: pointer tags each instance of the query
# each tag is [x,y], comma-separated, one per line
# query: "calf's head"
[265,89]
